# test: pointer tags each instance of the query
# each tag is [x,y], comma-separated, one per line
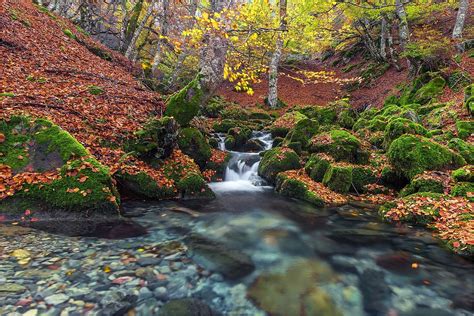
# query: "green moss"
[184,105]
[464,174]
[194,144]
[143,185]
[341,146]
[346,119]
[7,95]
[429,91]
[69,34]
[465,189]
[361,176]
[425,213]
[465,128]
[297,189]
[225,125]
[469,99]
[17,135]
[96,193]
[241,135]
[257,115]
[399,126]
[95,90]
[214,107]
[317,166]
[420,184]
[411,155]
[465,149]
[338,178]
[279,131]
[302,132]
[277,160]
[229,142]
[235,113]
[194,185]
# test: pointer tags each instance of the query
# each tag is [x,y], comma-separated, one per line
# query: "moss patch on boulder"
[464,174]
[411,155]
[466,150]
[465,129]
[341,145]
[399,126]
[277,160]
[193,143]
[464,189]
[302,132]
[184,105]
[338,178]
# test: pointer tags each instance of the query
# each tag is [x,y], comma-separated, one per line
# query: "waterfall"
[242,170]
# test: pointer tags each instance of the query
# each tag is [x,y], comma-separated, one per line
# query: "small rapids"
[242,170]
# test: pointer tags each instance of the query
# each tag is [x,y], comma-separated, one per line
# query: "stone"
[161,293]
[9,288]
[217,257]
[148,261]
[375,291]
[186,307]
[56,299]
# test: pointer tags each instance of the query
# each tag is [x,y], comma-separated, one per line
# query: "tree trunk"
[275,61]
[273,74]
[383,38]
[212,56]
[131,46]
[461,17]
[403,30]
[164,32]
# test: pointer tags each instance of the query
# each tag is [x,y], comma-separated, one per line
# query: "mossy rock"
[464,189]
[235,113]
[224,125]
[465,129]
[194,186]
[425,213]
[240,135]
[362,176]
[277,160]
[282,125]
[423,184]
[295,291]
[297,189]
[36,144]
[193,143]
[156,140]
[341,145]
[469,99]
[302,132]
[324,115]
[317,165]
[184,105]
[229,142]
[390,177]
[429,91]
[346,119]
[464,174]
[338,178]
[143,186]
[411,155]
[399,126]
[277,141]
[260,115]
[214,107]
[466,150]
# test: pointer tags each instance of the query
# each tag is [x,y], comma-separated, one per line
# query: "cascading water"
[242,170]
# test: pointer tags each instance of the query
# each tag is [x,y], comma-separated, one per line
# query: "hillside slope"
[50,69]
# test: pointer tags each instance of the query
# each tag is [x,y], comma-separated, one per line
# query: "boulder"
[184,104]
[302,132]
[464,174]
[338,178]
[399,126]
[297,189]
[193,143]
[277,160]
[465,129]
[217,257]
[411,155]
[466,150]
[339,144]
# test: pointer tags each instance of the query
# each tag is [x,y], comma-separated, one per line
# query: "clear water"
[371,267]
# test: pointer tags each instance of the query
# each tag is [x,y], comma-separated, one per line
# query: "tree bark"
[461,17]
[275,61]
[403,30]
[212,56]
[131,46]
[383,38]
[164,32]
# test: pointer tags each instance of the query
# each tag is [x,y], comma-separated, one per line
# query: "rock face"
[295,291]
[218,257]
[58,172]
[186,307]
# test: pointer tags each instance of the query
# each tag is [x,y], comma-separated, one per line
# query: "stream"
[244,253]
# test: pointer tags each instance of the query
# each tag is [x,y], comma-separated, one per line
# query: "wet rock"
[464,301]
[150,261]
[398,262]
[359,236]
[423,311]
[56,299]
[218,257]
[161,293]
[186,307]
[295,291]
[375,291]
[9,288]
[253,145]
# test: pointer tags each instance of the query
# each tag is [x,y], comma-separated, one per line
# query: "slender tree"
[275,60]
[461,17]
[132,45]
